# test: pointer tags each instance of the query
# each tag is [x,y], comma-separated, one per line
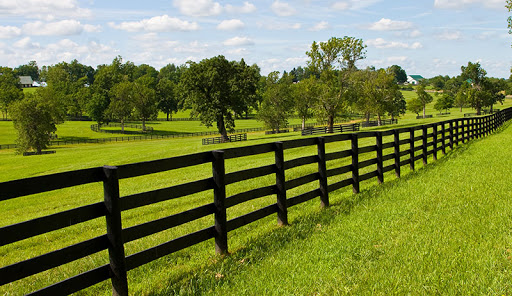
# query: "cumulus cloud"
[233,24]
[282,8]
[198,7]
[246,8]
[92,28]
[7,32]
[279,26]
[385,24]
[48,10]
[341,5]
[238,41]
[449,35]
[320,26]
[60,28]
[162,23]
[463,4]
[381,43]
[26,43]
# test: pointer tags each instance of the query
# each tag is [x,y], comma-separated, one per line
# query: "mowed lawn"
[442,230]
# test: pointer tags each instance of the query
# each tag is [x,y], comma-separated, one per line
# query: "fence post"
[380,161]
[434,138]
[219,197]
[424,146]
[114,232]
[396,145]
[282,211]
[411,147]
[463,134]
[443,137]
[322,171]
[355,163]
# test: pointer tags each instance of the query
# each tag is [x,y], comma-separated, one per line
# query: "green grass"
[191,270]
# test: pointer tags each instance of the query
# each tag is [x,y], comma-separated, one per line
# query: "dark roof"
[417,77]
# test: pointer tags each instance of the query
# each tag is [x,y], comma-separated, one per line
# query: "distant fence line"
[149,137]
[371,123]
[389,151]
[97,127]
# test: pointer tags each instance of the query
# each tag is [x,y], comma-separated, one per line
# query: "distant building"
[26,81]
[414,79]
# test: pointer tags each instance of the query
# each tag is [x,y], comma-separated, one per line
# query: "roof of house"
[26,80]
[416,77]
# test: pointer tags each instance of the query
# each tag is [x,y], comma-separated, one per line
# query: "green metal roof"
[417,77]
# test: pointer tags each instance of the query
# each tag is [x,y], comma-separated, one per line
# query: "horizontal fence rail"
[388,151]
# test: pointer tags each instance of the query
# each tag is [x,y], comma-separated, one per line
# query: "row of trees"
[217,90]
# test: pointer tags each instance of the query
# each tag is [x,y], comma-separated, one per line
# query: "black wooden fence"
[433,138]
[97,127]
[371,123]
[335,129]
[231,138]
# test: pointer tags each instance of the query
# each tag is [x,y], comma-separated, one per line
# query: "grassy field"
[196,270]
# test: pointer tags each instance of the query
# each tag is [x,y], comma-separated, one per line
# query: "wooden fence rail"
[407,146]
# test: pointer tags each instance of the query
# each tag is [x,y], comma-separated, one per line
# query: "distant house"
[414,79]
[26,81]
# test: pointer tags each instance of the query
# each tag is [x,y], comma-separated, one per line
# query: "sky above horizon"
[424,37]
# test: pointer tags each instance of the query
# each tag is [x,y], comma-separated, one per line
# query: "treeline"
[218,91]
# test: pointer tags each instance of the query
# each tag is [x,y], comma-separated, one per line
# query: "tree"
[438,82]
[166,97]
[215,91]
[399,73]
[34,119]
[144,99]
[444,102]
[10,89]
[424,97]
[305,92]
[121,104]
[481,93]
[415,106]
[508,5]
[171,72]
[325,58]
[277,104]
[31,69]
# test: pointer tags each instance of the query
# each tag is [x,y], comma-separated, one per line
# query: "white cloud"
[60,28]
[7,32]
[275,64]
[162,23]
[274,26]
[233,24]
[198,7]
[320,26]
[488,35]
[462,4]
[238,41]
[26,43]
[44,9]
[341,5]
[238,51]
[409,34]
[282,8]
[385,24]
[449,35]
[193,47]
[92,28]
[381,43]
[246,8]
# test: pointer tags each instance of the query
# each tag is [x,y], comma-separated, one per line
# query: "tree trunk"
[122,126]
[460,108]
[303,123]
[367,116]
[424,111]
[167,116]
[143,125]
[222,128]
[379,122]
[478,110]
[330,124]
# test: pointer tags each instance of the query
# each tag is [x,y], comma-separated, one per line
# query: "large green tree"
[144,99]
[215,91]
[444,102]
[399,73]
[277,104]
[10,89]
[35,118]
[305,92]
[478,96]
[121,102]
[325,60]
[424,97]
[166,96]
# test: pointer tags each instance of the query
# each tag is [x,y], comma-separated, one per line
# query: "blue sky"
[426,37]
